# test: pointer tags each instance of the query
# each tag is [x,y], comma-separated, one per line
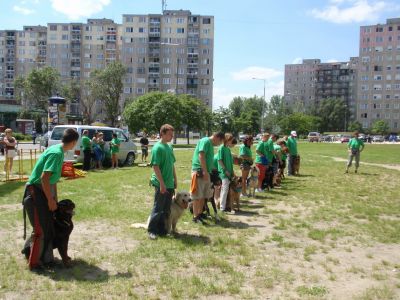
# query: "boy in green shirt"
[164,181]
[292,146]
[202,165]
[87,150]
[354,148]
[40,200]
[114,148]
[225,167]
[261,160]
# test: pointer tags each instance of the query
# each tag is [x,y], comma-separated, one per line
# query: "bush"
[22,137]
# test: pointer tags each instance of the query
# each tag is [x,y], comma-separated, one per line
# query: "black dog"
[63,227]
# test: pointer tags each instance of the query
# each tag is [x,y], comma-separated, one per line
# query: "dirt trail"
[387,166]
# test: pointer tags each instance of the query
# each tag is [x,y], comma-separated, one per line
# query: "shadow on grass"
[191,239]
[8,187]
[367,174]
[246,212]
[80,271]
[237,224]
[303,175]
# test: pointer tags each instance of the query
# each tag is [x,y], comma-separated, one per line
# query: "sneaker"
[259,191]
[244,195]
[152,236]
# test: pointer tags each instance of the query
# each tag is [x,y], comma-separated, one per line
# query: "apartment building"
[172,52]
[378,92]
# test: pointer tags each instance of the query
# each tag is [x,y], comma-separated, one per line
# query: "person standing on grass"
[87,150]
[261,160]
[40,200]
[247,160]
[144,144]
[10,143]
[202,165]
[272,158]
[292,146]
[114,147]
[354,148]
[164,181]
[225,167]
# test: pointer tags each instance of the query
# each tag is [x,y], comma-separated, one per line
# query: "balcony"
[154,34]
[191,85]
[193,55]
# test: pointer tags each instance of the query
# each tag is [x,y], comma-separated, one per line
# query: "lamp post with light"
[262,107]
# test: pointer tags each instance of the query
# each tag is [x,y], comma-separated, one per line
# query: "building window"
[166,81]
[180,20]
[53,27]
[206,20]
[141,80]
[142,19]
[129,19]
[129,29]
[180,30]
[166,71]
[140,91]
[142,29]
[127,90]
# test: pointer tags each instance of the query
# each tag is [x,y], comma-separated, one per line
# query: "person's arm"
[157,171]
[175,180]
[202,158]
[47,191]
[8,143]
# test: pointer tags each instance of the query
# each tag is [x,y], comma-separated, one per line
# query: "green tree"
[38,86]
[223,120]
[107,86]
[332,112]
[300,122]
[380,127]
[354,126]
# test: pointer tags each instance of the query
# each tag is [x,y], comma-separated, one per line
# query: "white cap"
[293,133]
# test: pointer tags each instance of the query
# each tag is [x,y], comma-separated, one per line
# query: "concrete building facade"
[378,92]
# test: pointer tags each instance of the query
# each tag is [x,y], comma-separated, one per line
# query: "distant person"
[87,150]
[202,165]
[292,146]
[164,181]
[144,144]
[114,147]
[40,199]
[97,150]
[2,144]
[34,135]
[354,148]
[10,144]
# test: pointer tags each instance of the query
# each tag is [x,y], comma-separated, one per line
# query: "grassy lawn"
[324,235]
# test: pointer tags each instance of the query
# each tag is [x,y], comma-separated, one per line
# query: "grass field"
[324,235]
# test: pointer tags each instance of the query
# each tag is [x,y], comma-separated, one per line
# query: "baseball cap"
[293,133]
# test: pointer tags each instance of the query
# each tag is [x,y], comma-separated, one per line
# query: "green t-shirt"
[269,147]
[292,145]
[215,162]
[355,143]
[51,160]
[260,148]
[225,154]
[86,145]
[245,151]
[204,145]
[162,155]
[277,149]
[114,147]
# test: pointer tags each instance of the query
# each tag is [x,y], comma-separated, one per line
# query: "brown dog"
[296,165]
[233,199]
[179,204]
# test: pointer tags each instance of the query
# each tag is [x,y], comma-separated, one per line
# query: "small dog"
[296,165]
[63,227]
[252,181]
[233,199]
[179,203]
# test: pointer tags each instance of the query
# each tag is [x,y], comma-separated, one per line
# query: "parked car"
[345,138]
[127,151]
[327,138]
[43,140]
[242,137]
[258,137]
[378,139]
[363,137]
[314,137]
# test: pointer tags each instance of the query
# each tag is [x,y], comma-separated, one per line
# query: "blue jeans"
[160,212]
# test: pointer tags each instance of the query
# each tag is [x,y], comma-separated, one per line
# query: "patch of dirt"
[11,207]
[387,166]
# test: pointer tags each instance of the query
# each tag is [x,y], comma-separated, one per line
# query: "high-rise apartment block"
[378,91]
[172,51]
[309,83]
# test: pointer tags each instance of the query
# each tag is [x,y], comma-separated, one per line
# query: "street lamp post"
[262,107]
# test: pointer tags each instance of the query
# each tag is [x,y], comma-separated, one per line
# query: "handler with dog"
[164,181]
[202,165]
[292,146]
[40,200]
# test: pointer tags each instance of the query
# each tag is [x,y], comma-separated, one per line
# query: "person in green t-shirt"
[261,160]
[292,146]
[247,160]
[164,181]
[87,150]
[114,148]
[354,148]
[202,165]
[40,200]
[225,167]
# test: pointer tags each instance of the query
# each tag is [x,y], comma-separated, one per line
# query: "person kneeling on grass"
[164,181]
[40,199]
[114,147]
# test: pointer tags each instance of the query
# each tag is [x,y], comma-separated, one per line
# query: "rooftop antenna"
[164,5]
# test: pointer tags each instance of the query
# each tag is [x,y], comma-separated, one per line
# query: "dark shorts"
[145,151]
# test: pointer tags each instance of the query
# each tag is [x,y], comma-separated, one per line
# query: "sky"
[253,38]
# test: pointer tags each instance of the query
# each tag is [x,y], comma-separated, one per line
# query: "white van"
[127,150]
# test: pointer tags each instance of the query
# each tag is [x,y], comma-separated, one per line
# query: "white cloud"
[348,11]
[23,10]
[332,60]
[76,9]
[297,60]
[223,96]
[256,72]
